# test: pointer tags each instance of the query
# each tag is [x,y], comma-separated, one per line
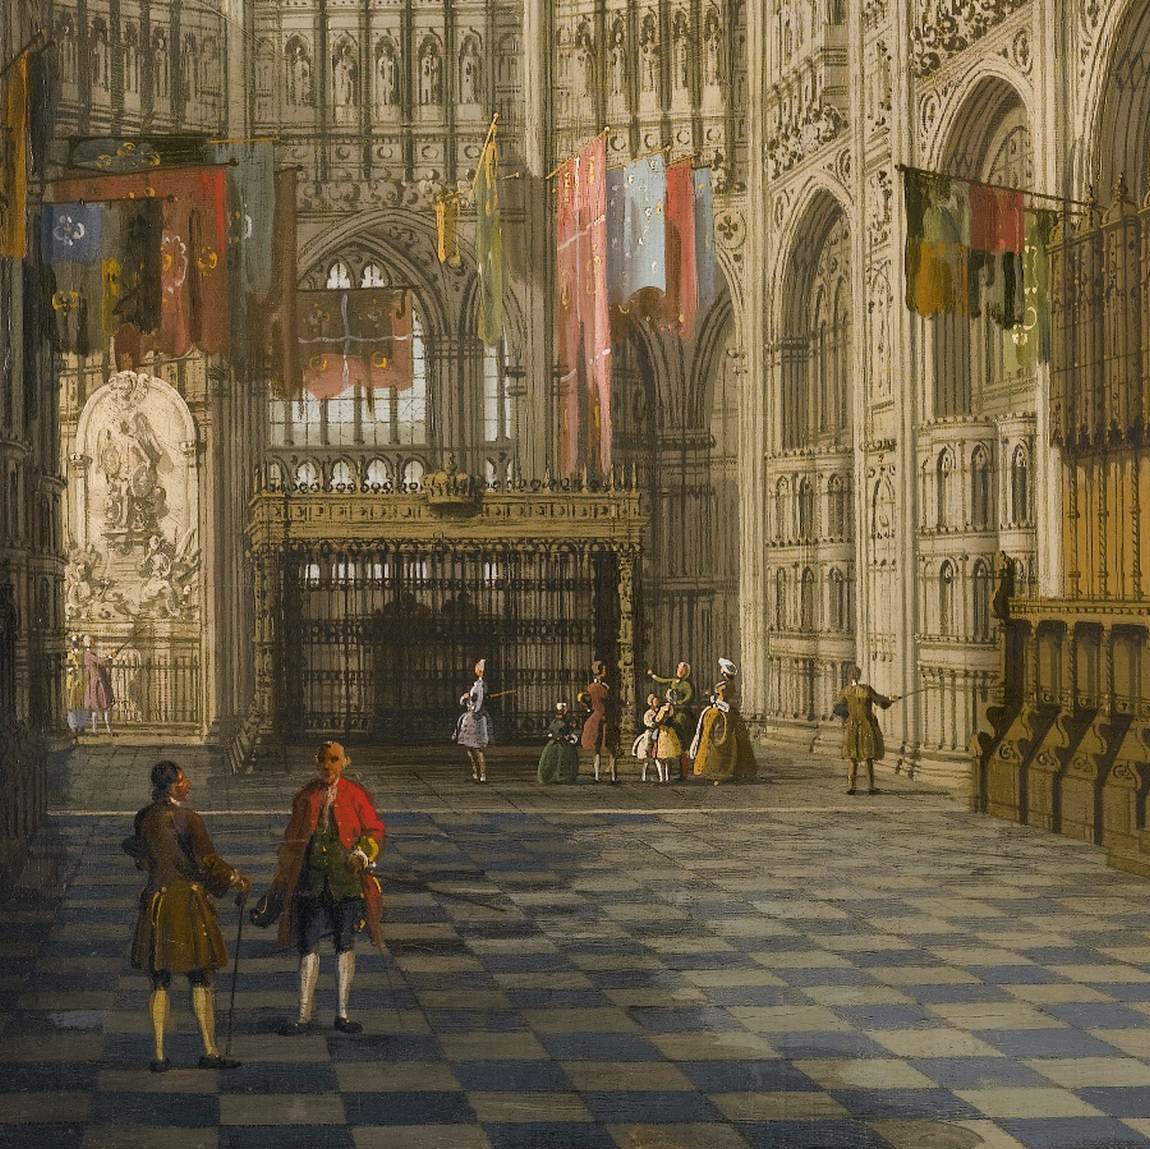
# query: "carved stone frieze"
[943,28]
[879,87]
[873,13]
[878,207]
[821,124]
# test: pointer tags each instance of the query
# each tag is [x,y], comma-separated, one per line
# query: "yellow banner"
[14,161]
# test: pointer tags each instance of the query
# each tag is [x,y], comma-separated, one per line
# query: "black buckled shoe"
[294,1028]
[216,1061]
[160,1065]
[346,1025]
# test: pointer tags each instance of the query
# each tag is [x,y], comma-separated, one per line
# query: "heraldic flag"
[489,243]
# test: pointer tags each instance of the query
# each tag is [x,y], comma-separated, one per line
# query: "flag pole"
[999,187]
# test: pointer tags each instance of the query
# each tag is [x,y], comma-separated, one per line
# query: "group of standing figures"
[677,741]
[712,745]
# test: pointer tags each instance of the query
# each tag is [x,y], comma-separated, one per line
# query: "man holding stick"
[862,735]
[177,930]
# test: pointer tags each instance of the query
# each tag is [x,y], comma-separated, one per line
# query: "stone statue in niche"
[681,59]
[713,49]
[430,75]
[299,73]
[585,61]
[470,72]
[131,460]
[345,76]
[619,63]
[649,52]
[387,75]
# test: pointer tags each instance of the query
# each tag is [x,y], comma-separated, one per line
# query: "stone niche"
[134,571]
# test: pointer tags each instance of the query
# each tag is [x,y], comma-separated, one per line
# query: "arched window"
[413,472]
[338,275]
[970,350]
[496,398]
[806,511]
[807,601]
[839,607]
[945,599]
[781,525]
[837,497]
[980,496]
[355,417]
[342,476]
[942,490]
[983,589]
[372,276]
[816,384]
[1020,487]
[780,599]
[130,54]
[377,473]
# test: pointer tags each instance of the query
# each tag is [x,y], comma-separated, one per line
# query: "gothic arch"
[1115,116]
[815,379]
[969,115]
[364,232]
[986,137]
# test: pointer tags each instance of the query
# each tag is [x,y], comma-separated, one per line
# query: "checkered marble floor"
[891,975]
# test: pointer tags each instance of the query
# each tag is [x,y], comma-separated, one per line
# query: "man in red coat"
[333,836]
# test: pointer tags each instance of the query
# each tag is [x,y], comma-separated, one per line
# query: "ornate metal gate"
[381,640]
[373,609]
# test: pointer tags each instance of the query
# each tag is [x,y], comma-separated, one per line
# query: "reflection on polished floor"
[635,967]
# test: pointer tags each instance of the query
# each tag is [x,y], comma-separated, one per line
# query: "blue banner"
[636,228]
[71,232]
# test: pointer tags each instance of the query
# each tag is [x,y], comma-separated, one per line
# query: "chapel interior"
[811,477]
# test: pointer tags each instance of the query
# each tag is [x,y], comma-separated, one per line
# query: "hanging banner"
[355,338]
[706,269]
[14,161]
[638,230]
[583,320]
[681,303]
[489,244]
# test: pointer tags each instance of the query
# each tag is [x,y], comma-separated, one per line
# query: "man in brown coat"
[862,736]
[177,930]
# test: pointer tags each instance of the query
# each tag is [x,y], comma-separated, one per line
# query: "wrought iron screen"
[379,640]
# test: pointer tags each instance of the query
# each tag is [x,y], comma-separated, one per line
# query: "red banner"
[194,301]
[682,298]
[584,329]
[355,338]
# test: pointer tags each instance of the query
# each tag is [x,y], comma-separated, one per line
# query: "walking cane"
[243,897]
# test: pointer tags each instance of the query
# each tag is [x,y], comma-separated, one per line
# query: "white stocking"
[344,975]
[308,976]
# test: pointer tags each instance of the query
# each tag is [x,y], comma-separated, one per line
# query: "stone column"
[268,613]
[628,570]
[754,413]
[535,432]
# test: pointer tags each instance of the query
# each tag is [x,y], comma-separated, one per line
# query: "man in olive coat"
[177,930]
[862,736]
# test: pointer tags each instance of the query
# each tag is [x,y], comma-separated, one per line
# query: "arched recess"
[988,140]
[1118,106]
[676,410]
[815,323]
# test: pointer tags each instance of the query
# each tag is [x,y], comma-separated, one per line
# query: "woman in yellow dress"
[722,749]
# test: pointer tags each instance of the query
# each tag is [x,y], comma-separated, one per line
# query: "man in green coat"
[862,737]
